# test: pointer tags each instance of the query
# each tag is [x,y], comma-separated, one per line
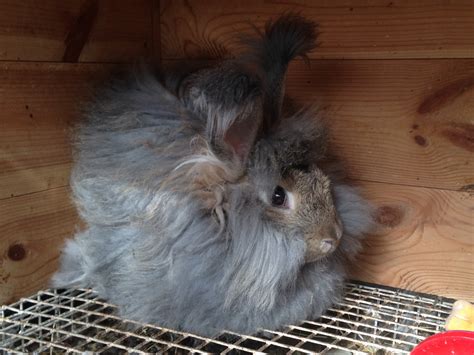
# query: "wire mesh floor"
[369,320]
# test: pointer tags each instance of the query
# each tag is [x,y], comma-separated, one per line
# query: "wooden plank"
[156,31]
[424,242]
[39,104]
[23,181]
[71,30]
[406,122]
[32,229]
[373,107]
[350,29]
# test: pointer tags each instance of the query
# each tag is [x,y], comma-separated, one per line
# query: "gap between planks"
[357,183]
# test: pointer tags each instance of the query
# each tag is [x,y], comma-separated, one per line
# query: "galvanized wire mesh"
[369,320]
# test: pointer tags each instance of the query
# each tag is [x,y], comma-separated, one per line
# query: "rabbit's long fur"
[178,232]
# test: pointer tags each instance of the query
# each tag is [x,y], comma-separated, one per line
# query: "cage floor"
[369,320]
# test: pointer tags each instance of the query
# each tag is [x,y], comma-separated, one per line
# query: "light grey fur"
[170,252]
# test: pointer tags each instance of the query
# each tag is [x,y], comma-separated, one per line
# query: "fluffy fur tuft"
[282,40]
[287,37]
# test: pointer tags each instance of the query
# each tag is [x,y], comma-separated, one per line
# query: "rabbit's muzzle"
[323,241]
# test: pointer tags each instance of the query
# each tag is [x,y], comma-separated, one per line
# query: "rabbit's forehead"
[312,190]
[308,181]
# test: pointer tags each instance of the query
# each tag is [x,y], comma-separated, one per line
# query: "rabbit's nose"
[333,234]
[327,245]
[330,243]
[324,241]
[317,249]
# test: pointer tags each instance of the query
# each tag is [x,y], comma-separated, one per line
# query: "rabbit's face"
[252,149]
[302,206]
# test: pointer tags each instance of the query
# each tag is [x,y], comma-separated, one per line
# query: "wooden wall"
[52,53]
[396,79]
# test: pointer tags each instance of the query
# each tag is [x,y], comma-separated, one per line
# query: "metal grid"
[368,320]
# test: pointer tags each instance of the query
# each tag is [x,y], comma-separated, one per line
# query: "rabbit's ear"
[233,128]
[228,97]
[289,36]
[242,133]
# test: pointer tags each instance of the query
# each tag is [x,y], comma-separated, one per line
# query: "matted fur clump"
[206,204]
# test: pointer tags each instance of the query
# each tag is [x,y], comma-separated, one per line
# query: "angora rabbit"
[205,202]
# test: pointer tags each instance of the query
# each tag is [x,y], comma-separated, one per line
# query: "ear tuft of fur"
[288,37]
[282,40]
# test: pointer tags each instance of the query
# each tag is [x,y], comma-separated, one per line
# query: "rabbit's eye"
[279,197]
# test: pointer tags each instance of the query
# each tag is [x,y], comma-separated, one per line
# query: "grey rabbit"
[205,197]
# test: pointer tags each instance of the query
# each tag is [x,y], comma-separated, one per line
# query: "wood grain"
[39,104]
[53,30]
[156,30]
[356,29]
[405,122]
[32,230]
[424,241]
